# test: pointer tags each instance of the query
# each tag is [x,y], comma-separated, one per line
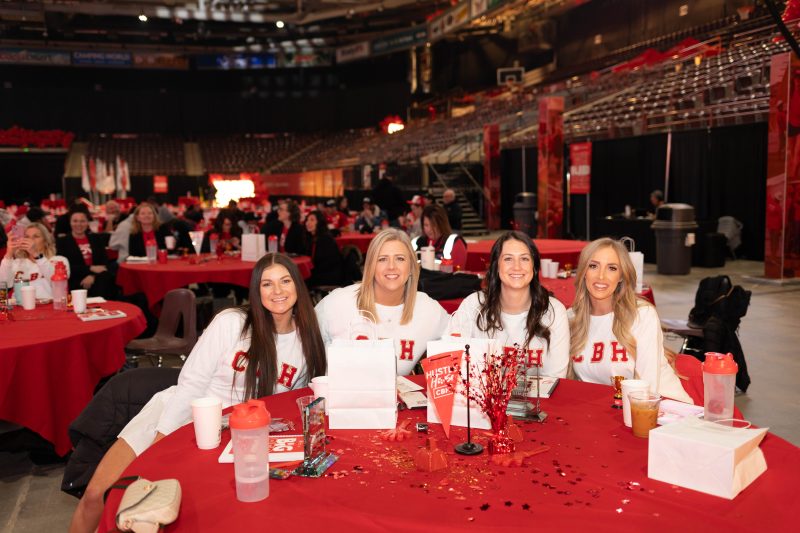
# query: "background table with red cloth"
[155,280]
[594,476]
[51,361]
[562,289]
[563,251]
[359,240]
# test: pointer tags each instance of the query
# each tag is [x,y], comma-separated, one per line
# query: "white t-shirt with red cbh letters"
[338,311]
[603,356]
[216,368]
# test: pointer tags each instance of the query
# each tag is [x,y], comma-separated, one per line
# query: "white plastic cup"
[320,387]
[554,269]
[170,241]
[79,300]
[28,297]
[428,257]
[207,417]
[629,386]
[545,269]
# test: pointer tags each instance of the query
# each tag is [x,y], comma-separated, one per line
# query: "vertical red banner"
[580,168]
[551,166]
[491,174]
[160,185]
[783,165]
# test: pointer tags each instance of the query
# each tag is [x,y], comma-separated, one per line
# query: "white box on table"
[706,456]
[253,246]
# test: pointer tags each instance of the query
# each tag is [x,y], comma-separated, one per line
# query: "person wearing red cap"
[414,218]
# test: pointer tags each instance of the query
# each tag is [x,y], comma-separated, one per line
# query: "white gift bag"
[706,456]
[637,258]
[253,246]
[477,347]
[362,384]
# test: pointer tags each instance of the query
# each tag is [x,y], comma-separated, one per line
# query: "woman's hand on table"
[98,269]
[87,282]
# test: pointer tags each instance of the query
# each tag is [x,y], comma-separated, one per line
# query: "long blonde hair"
[625,303]
[366,292]
[49,243]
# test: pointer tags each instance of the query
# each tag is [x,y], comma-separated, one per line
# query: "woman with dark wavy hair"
[271,345]
[514,308]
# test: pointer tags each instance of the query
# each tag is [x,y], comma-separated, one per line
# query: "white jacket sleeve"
[219,338]
[6,271]
[556,362]
[322,319]
[651,363]
[464,320]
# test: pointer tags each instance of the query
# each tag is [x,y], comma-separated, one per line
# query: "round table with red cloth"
[560,250]
[594,477]
[562,288]
[155,279]
[51,361]
[359,240]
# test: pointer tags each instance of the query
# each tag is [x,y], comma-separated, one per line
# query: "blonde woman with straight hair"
[388,296]
[612,331]
[33,257]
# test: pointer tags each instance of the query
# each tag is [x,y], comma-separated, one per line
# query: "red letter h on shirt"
[287,375]
[406,350]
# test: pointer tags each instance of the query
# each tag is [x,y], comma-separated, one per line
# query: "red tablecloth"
[593,477]
[562,289]
[50,363]
[156,280]
[560,250]
[359,240]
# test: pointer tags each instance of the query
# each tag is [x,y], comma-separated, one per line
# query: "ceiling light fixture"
[142,18]
[279,24]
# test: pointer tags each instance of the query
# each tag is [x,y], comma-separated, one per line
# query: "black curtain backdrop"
[30,176]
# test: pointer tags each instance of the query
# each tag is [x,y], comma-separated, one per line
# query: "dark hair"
[322,223]
[236,231]
[294,211]
[35,214]
[489,319]
[339,201]
[658,195]
[78,208]
[438,218]
[261,373]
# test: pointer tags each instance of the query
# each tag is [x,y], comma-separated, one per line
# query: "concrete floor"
[30,499]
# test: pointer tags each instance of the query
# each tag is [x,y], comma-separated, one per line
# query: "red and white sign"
[160,185]
[580,167]
[282,449]
[442,374]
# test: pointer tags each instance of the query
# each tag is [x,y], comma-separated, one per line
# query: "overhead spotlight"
[142,18]
[279,24]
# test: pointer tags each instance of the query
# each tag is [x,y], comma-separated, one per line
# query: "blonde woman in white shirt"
[387,295]
[33,257]
[247,352]
[612,331]
[514,308]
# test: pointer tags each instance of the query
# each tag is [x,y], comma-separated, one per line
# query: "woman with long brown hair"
[271,345]
[612,332]
[436,232]
[514,308]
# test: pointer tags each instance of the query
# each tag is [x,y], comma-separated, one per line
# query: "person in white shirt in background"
[388,296]
[612,332]
[33,257]
[247,352]
[120,238]
[514,308]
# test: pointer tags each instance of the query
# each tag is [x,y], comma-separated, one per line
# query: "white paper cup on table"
[79,300]
[207,417]
[320,387]
[545,268]
[170,241]
[554,269]
[629,386]
[28,297]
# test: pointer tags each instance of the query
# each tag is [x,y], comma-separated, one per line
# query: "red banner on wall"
[551,166]
[491,174]
[160,185]
[580,167]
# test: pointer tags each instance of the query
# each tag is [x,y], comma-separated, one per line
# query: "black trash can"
[675,227]
[525,213]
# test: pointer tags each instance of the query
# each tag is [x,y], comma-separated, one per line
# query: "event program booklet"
[548,385]
[100,314]
[282,449]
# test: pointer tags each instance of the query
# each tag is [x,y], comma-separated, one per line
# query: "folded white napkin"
[135,259]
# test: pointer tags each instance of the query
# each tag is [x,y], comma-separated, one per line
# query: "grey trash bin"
[673,225]
[525,213]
